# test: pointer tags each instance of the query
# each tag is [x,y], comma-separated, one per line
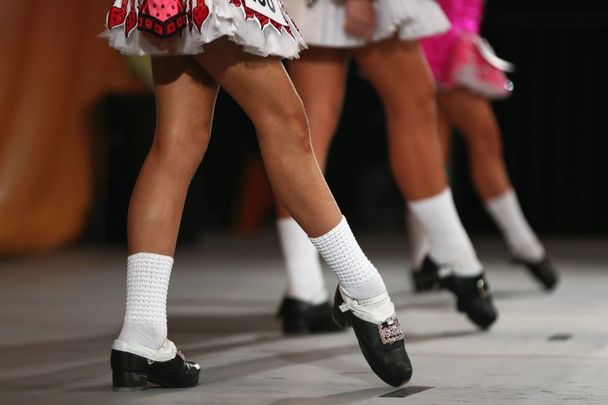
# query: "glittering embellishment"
[390,331]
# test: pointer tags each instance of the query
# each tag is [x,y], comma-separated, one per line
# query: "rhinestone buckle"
[390,331]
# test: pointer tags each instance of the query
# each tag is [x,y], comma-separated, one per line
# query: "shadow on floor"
[335,399]
[68,364]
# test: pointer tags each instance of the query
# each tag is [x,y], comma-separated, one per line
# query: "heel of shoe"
[295,326]
[129,381]
[424,282]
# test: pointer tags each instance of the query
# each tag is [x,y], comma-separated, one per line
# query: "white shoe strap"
[165,353]
[374,310]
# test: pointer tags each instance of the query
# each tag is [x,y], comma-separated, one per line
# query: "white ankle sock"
[358,277]
[303,267]
[145,321]
[419,243]
[450,245]
[520,238]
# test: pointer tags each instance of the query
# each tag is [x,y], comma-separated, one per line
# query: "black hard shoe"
[425,279]
[132,372]
[543,271]
[302,318]
[472,294]
[380,337]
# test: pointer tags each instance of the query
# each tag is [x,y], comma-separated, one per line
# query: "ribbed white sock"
[303,267]
[420,246]
[520,238]
[450,245]
[357,275]
[145,321]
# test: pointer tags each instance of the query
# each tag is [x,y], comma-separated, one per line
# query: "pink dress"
[460,57]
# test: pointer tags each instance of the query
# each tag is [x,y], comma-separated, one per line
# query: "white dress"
[321,22]
[183,27]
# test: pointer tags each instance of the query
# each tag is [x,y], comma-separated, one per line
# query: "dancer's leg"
[319,77]
[444,130]
[184,103]
[282,128]
[398,71]
[419,242]
[472,114]
[185,97]
[279,118]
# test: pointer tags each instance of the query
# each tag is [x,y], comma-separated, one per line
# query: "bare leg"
[278,115]
[398,71]
[444,130]
[264,91]
[185,97]
[473,116]
[184,103]
[319,77]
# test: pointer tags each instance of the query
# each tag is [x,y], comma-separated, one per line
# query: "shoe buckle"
[482,287]
[150,362]
[390,331]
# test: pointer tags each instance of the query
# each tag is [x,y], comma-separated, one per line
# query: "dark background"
[554,136]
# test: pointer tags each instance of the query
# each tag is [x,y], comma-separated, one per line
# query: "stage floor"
[60,312]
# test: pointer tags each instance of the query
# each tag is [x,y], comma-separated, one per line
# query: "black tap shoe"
[425,279]
[380,337]
[302,318]
[543,271]
[472,294]
[132,372]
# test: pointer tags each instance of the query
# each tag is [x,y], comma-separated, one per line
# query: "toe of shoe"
[482,313]
[392,366]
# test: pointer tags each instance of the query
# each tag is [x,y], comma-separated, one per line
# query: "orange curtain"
[53,70]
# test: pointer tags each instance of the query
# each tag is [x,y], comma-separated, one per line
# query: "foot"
[379,334]
[543,271]
[302,318]
[133,367]
[472,294]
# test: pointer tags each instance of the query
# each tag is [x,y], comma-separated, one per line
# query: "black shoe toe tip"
[399,378]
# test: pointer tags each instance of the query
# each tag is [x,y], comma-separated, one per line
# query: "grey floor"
[60,312]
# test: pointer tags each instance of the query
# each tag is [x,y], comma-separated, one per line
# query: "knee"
[487,140]
[299,130]
[287,127]
[181,150]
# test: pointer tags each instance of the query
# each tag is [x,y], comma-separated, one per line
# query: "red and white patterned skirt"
[183,27]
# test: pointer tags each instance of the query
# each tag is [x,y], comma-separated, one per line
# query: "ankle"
[369,289]
[146,335]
